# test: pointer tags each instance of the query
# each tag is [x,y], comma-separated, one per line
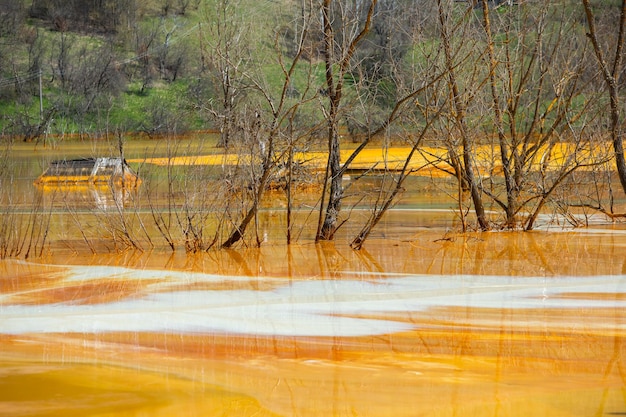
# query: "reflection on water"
[422,322]
[76,195]
[300,340]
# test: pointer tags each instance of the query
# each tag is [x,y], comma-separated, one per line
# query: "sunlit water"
[421,322]
[182,302]
[117,340]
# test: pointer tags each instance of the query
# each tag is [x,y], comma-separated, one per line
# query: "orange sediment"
[561,355]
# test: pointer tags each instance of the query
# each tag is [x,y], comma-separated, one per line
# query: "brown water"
[422,322]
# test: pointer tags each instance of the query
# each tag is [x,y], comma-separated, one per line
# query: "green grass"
[136,109]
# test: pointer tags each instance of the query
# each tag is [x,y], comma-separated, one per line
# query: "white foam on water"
[297,308]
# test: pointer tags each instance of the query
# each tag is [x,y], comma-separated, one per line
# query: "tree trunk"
[334,83]
[611,79]
[459,111]
[616,136]
[239,231]
[509,180]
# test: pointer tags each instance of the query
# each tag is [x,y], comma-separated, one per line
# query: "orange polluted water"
[496,324]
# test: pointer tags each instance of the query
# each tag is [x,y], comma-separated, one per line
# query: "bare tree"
[354,86]
[95,74]
[534,82]
[270,129]
[389,198]
[171,59]
[225,55]
[611,71]
[144,43]
[466,164]
[12,15]
[339,50]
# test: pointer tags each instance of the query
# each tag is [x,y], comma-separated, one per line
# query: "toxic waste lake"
[424,321]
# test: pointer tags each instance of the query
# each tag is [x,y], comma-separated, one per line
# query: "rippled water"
[186,302]
[421,322]
[149,336]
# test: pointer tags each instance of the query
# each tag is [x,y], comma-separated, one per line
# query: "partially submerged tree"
[537,100]
[611,65]
[339,47]
[346,41]
[465,164]
[273,126]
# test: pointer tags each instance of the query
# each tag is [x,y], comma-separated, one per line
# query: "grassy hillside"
[149,73]
[158,67]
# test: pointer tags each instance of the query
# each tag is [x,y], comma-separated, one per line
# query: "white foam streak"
[296,308]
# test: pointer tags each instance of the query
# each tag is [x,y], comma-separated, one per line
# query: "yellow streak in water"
[428,161]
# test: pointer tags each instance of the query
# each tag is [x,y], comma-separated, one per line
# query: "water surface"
[319,331]
[423,321]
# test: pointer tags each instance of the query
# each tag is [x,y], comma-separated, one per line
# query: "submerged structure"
[114,171]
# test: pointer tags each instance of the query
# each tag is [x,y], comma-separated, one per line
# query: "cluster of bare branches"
[515,95]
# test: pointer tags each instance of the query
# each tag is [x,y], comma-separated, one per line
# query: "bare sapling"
[197,210]
[37,229]
[402,111]
[458,106]
[593,191]
[23,232]
[269,132]
[388,200]
[536,85]
[76,220]
[338,54]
